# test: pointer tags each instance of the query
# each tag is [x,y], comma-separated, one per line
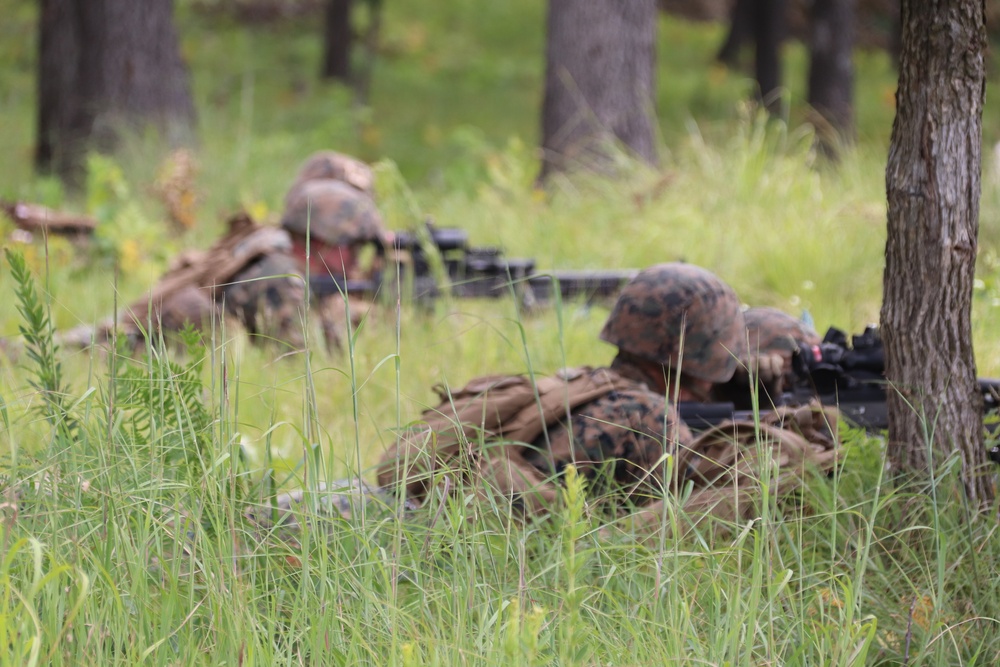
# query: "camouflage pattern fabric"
[334,213]
[617,442]
[269,298]
[672,306]
[770,330]
[773,339]
[164,316]
[338,498]
[188,305]
[729,465]
[494,431]
[334,166]
[250,268]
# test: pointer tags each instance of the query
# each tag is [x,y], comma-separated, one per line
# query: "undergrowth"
[132,543]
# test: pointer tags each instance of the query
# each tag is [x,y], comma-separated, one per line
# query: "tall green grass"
[127,544]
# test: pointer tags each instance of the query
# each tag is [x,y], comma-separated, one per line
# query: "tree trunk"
[58,55]
[741,23]
[369,41]
[338,37]
[103,65]
[599,83]
[933,190]
[831,71]
[895,32]
[769,33]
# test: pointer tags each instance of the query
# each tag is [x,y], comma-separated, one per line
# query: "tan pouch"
[484,426]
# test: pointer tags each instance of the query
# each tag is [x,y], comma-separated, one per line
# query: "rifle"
[848,374]
[470,272]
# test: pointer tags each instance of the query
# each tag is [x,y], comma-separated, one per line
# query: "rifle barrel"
[589,284]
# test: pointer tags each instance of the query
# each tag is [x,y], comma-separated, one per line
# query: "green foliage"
[37,333]
[125,236]
[166,411]
[572,649]
[150,558]
[37,612]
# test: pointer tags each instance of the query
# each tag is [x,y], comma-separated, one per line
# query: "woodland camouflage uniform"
[774,339]
[269,298]
[191,292]
[616,441]
[770,331]
[680,320]
[329,204]
[256,274]
[675,321]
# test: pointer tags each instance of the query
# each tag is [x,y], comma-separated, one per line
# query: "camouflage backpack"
[483,428]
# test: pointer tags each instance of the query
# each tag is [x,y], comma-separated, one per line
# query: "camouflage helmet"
[770,331]
[330,165]
[334,213]
[647,318]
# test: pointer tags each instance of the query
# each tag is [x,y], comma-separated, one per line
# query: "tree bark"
[831,71]
[58,55]
[338,38]
[741,21]
[895,32]
[369,40]
[769,34]
[933,191]
[599,83]
[105,65]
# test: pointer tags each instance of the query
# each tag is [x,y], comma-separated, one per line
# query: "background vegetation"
[123,540]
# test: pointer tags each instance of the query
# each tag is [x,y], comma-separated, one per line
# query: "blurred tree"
[740,32]
[338,38]
[58,55]
[769,35]
[599,82]
[104,64]
[831,71]
[933,191]
[761,22]
[876,25]
[369,41]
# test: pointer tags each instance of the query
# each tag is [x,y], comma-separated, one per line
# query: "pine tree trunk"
[338,38]
[128,73]
[831,71]
[933,189]
[599,83]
